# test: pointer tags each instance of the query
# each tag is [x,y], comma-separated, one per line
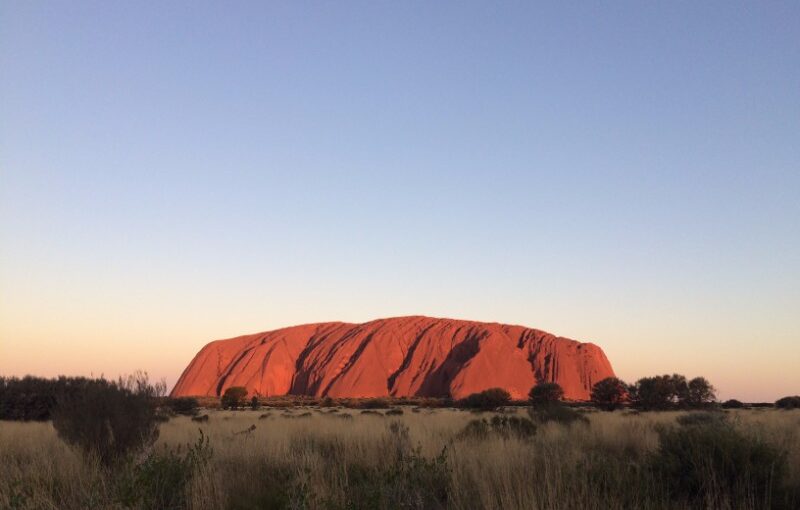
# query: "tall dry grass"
[319,460]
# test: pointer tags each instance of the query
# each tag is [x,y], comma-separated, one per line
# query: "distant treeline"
[35,398]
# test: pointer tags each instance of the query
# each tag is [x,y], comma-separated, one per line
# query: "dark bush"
[395,411]
[732,404]
[504,426]
[486,400]
[708,463]
[255,405]
[557,413]
[187,406]
[546,393]
[374,403]
[109,419]
[233,398]
[609,394]
[788,402]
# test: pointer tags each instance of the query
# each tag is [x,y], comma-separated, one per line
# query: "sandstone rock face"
[404,356]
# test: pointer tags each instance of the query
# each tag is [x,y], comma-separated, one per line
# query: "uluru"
[396,357]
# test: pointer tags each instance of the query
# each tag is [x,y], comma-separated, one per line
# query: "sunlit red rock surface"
[404,356]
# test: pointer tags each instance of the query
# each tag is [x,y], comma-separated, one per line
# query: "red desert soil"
[403,356]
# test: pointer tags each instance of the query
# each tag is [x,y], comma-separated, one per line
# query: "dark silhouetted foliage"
[255,405]
[701,393]
[664,392]
[187,406]
[34,398]
[107,419]
[374,403]
[233,398]
[504,426]
[732,404]
[546,394]
[486,400]
[558,413]
[610,393]
[788,402]
[708,463]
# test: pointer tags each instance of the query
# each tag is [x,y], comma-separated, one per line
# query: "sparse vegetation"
[423,460]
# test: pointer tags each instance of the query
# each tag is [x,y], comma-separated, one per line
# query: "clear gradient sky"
[624,173]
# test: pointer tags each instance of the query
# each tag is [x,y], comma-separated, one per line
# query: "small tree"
[660,392]
[233,397]
[255,405]
[609,394]
[700,393]
[486,400]
[548,393]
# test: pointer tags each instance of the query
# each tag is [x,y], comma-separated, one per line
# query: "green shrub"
[486,400]
[233,398]
[707,462]
[109,419]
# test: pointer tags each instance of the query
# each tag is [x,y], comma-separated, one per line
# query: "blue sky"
[623,173]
